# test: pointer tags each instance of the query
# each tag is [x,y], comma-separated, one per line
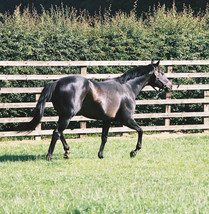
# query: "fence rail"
[100,63]
[168,102]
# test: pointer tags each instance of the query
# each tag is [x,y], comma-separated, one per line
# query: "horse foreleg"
[131,123]
[105,129]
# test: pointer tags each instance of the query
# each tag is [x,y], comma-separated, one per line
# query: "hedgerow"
[64,34]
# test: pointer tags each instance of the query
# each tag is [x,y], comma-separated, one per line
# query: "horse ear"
[157,64]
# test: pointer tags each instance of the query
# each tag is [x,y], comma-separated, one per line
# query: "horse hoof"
[133,154]
[67,155]
[49,157]
[100,156]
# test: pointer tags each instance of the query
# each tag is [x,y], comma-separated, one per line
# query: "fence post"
[168,97]
[38,128]
[206,107]
[83,124]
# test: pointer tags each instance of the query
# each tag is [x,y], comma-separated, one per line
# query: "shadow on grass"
[23,158]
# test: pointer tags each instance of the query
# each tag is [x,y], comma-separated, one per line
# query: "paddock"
[169,175]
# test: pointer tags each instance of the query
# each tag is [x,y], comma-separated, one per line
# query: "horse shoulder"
[95,91]
[107,95]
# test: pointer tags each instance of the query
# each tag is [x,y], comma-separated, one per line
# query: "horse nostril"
[170,89]
[170,86]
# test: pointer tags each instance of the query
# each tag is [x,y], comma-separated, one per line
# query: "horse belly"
[100,103]
[96,110]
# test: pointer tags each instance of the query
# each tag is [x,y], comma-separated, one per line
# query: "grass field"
[169,175]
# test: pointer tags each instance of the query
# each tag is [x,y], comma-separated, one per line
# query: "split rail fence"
[168,102]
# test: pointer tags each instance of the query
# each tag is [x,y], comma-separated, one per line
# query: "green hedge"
[66,34]
[63,34]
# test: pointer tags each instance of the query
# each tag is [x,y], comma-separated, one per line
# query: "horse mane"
[133,73]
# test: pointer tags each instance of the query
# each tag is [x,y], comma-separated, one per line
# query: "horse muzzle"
[168,88]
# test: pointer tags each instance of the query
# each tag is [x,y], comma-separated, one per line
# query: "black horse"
[110,100]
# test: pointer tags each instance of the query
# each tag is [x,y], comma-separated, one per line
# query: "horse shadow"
[21,158]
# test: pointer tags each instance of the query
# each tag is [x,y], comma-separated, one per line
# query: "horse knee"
[140,131]
[104,138]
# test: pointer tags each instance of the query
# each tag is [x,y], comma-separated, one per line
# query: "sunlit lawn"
[169,175]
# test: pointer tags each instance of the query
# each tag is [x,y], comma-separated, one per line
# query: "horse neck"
[131,74]
[139,83]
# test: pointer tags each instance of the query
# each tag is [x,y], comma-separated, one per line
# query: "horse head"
[159,78]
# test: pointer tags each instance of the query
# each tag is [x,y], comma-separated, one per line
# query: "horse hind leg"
[55,137]
[58,133]
[65,146]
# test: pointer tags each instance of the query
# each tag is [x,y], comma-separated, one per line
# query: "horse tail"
[46,95]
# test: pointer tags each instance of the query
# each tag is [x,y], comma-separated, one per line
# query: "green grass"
[169,175]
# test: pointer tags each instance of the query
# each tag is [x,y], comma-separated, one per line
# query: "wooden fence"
[168,102]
